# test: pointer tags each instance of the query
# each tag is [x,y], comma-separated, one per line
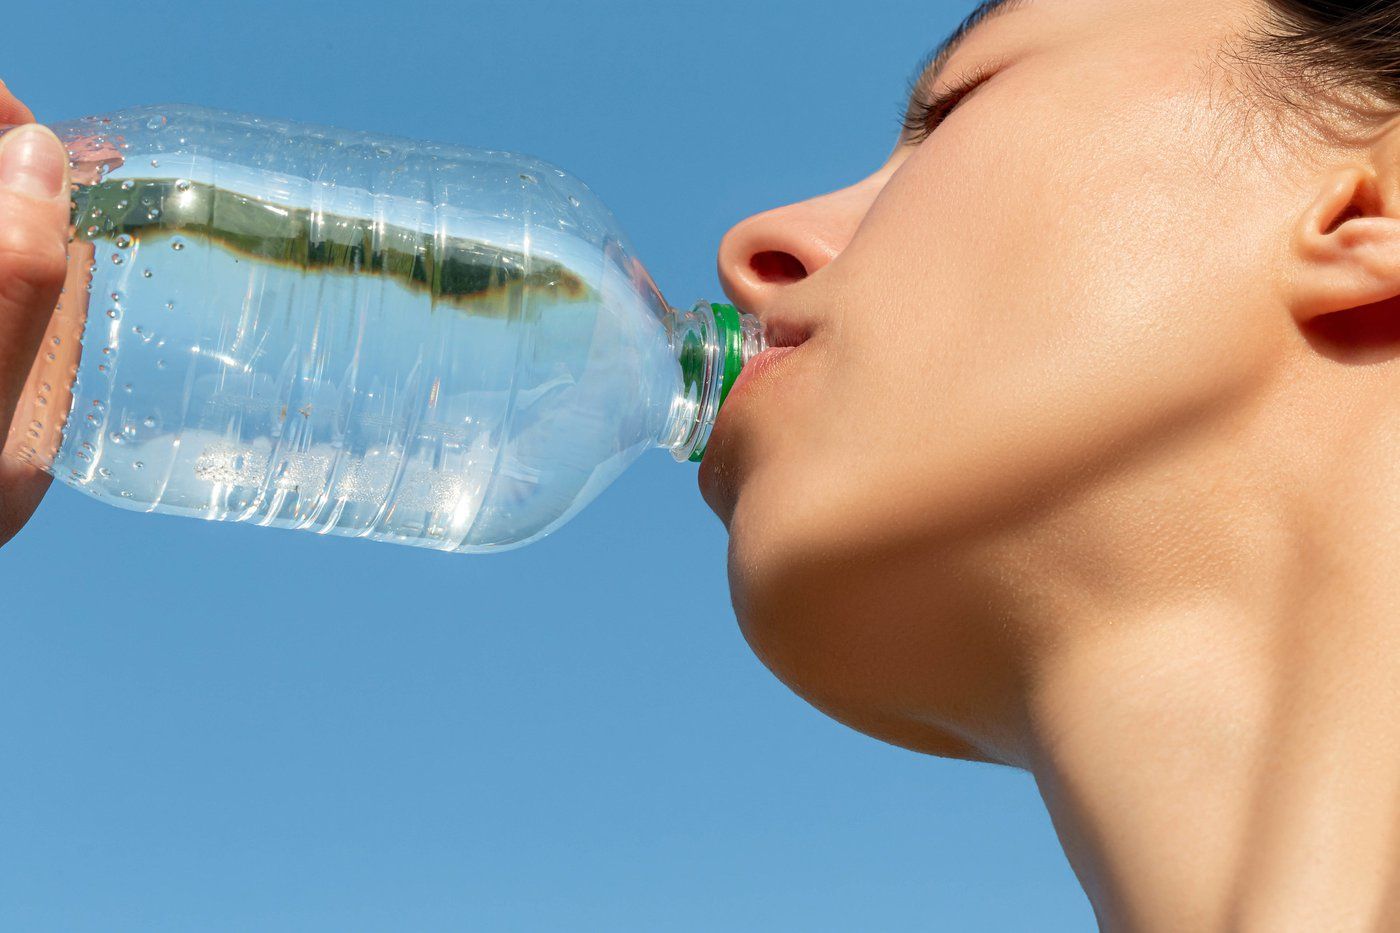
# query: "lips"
[718,479]
[780,332]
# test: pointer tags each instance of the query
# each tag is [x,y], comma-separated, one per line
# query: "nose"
[763,254]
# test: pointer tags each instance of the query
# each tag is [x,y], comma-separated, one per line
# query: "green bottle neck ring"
[713,342]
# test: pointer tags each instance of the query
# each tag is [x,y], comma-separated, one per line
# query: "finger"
[11,110]
[37,429]
[33,240]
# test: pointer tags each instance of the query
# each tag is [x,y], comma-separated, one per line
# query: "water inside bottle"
[272,350]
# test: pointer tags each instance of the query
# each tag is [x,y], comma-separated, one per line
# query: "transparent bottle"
[357,335]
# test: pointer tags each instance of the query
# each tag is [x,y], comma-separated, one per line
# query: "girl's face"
[1019,325]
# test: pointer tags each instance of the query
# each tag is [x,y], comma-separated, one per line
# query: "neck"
[1229,758]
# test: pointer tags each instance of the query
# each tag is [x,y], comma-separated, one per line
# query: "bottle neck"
[712,342]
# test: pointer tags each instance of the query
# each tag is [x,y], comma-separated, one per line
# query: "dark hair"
[1335,58]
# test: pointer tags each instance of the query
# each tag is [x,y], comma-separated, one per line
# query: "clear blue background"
[210,727]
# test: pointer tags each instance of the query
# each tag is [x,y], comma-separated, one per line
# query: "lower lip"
[754,367]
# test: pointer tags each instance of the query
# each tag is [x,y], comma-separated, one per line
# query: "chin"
[858,628]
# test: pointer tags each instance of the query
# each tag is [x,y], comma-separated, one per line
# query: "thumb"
[34,213]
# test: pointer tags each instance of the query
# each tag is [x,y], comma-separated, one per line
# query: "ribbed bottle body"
[343,333]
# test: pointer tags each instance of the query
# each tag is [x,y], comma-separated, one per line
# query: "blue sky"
[212,727]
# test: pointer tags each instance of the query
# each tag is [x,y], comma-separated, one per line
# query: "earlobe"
[1346,246]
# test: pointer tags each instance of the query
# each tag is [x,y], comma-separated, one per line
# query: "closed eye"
[927,110]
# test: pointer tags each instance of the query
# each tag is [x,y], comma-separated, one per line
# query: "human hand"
[34,214]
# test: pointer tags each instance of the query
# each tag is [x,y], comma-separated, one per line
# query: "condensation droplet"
[153,214]
[102,367]
[55,340]
[160,364]
[149,422]
[128,185]
[123,241]
[104,472]
[113,313]
[116,259]
[182,184]
[50,357]
[137,465]
[124,494]
[574,201]
[170,306]
[528,179]
[146,273]
[155,164]
[177,246]
[127,388]
[115,296]
[92,231]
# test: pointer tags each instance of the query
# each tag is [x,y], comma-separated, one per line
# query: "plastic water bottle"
[356,335]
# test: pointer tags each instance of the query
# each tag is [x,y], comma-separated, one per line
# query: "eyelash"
[926,113]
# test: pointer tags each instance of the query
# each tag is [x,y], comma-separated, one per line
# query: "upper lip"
[785,332]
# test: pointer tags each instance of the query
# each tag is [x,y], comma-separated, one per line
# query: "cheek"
[1027,302]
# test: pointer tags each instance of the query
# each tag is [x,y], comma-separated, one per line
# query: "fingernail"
[32,161]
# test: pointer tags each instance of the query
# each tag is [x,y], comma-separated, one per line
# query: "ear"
[1346,246]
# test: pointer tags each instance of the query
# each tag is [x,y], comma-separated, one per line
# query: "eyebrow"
[935,61]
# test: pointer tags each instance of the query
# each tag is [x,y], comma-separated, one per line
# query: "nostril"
[775,267]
